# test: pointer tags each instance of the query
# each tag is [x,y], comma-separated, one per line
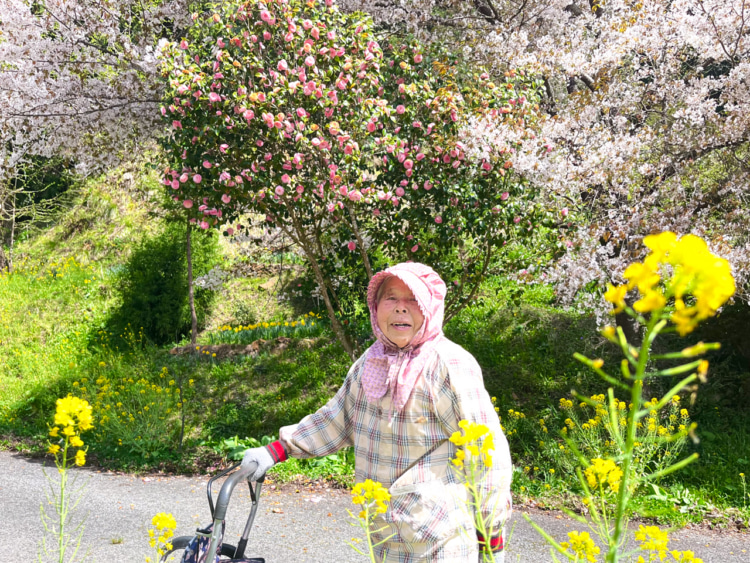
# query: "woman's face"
[399,317]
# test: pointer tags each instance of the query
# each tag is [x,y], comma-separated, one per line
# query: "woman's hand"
[261,458]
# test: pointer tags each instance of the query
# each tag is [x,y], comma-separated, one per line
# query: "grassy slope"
[53,308]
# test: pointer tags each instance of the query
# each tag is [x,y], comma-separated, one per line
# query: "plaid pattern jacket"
[409,452]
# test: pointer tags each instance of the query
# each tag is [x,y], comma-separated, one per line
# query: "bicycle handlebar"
[222,501]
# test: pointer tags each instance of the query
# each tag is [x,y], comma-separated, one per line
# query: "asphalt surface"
[307,525]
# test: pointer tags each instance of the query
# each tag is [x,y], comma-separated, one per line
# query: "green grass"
[53,312]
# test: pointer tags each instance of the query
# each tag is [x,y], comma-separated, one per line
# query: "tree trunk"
[191,298]
[9,264]
[338,329]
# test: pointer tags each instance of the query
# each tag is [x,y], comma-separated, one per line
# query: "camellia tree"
[295,111]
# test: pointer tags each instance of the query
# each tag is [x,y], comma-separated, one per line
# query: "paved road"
[309,526]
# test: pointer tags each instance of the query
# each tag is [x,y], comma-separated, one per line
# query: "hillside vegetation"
[70,322]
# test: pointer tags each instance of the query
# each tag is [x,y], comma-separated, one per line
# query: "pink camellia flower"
[261,97]
[301,112]
[516,219]
[230,231]
[288,37]
[175,184]
[248,115]
[163,110]
[183,178]
[400,109]
[197,178]
[204,225]
[331,207]
[428,185]
[315,142]
[279,190]
[408,164]
[309,60]
[224,176]
[376,212]
[300,190]
[283,66]
[486,166]
[285,179]
[420,156]
[355,196]
[266,35]
[187,204]
[400,191]
[331,35]
[438,219]
[417,124]
[352,246]
[183,44]
[226,198]
[564,212]
[265,15]
[504,196]
[418,58]
[415,248]
[307,24]
[370,126]
[176,124]
[214,97]
[223,148]
[259,143]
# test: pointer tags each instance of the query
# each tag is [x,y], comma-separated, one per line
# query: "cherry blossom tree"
[78,78]
[353,149]
[647,112]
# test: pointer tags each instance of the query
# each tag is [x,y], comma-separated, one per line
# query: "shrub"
[153,286]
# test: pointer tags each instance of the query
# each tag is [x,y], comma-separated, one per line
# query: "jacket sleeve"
[329,429]
[470,401]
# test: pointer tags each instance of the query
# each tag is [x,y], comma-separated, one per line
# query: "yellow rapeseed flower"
[80,458]
[72,411]
[371,495]
[652,538]
[616,296]
[582,546]
[603,471]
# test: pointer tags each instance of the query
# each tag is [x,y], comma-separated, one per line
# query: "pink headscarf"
[382,370]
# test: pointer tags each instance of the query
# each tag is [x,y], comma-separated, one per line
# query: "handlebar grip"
[222,501]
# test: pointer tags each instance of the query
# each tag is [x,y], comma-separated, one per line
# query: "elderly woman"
[398,407]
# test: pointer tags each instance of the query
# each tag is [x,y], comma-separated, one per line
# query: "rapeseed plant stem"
[673,270]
